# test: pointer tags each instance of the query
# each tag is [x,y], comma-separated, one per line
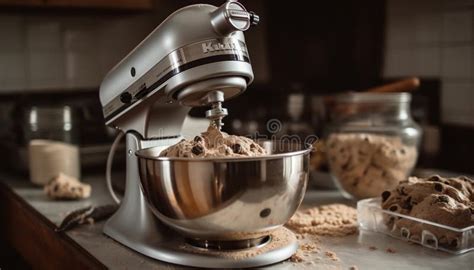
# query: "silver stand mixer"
[196,57]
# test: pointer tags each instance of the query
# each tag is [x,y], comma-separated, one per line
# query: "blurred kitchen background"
[54,53]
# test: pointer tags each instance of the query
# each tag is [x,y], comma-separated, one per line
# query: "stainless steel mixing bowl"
[226,198]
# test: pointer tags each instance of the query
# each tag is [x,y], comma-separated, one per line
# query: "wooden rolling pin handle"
[405,85]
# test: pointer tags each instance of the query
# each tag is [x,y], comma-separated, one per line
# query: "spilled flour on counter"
[310,225]
[304,250]
[326,220]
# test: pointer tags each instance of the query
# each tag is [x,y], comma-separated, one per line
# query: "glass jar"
[52,136]
[58,123]
[371,142]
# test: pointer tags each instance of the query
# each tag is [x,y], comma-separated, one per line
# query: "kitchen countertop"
[351,250]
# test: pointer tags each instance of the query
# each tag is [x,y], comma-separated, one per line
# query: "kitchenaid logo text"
[221,46]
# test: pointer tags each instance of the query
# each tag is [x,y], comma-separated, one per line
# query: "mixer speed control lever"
[126,97]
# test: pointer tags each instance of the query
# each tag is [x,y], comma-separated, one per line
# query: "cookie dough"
[367,164]
[447,201]
[214,143]
[66,187]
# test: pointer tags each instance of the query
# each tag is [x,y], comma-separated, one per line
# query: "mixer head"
[196,57]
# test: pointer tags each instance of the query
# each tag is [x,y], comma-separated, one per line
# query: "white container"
[49,158]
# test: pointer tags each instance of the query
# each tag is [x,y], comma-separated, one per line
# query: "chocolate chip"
[393,208]
[56,188]
[403,151]
[443,198]
[237,148]
[198,139]
[438,187]
[385,195]
[407,204]
[197,149]
[73,189]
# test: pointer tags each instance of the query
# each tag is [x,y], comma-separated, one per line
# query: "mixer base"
[171,247]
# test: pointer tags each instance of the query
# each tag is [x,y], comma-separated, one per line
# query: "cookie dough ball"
[68,188]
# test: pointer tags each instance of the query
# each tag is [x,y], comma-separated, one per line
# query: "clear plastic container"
[371,142]
[372,217]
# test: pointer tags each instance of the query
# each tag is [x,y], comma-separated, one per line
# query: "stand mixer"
[197,57]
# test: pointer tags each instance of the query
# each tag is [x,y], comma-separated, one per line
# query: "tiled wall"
[41,50]
[435,38]
[63,52]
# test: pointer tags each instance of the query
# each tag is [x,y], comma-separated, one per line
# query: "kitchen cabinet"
[100,4]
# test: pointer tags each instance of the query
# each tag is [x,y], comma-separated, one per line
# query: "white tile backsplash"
[80,39]
[399,31]
[399,62]
[457,62]
[435,39]
[12,71]
[457,26]
[41,52]
[46,70]
[427,61]
[43,35]
[427,27]
[457,100]
[12,32]
[82,69]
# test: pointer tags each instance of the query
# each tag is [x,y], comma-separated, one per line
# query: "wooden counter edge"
[35,238]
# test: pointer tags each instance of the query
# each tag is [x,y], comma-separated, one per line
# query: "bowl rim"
[307,149]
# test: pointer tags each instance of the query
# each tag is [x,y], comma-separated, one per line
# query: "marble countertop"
[351,250]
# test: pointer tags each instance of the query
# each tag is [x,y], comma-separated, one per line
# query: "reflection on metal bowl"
[226,198]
